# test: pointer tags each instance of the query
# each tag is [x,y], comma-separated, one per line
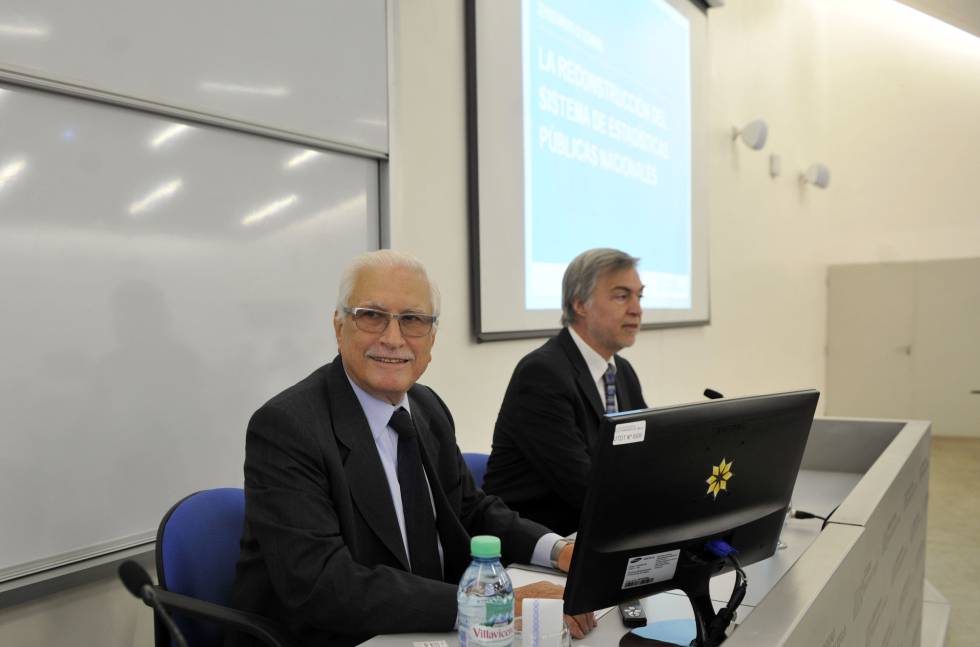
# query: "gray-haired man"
[358,505]
[547,430]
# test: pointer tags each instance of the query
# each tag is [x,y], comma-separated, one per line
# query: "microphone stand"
[137,581]
[150,598]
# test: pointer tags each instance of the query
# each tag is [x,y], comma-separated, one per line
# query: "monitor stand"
[697,590]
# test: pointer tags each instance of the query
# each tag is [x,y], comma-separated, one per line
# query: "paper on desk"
[524,574]
[542,622]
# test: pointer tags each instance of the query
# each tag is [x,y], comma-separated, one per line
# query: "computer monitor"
[667,481]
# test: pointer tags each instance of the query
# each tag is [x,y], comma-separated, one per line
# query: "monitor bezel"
[762,525]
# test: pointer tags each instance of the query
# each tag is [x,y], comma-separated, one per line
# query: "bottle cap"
[485,546]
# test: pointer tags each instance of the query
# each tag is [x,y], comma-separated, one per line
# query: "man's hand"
[539,590]
[578,625]
[581,624]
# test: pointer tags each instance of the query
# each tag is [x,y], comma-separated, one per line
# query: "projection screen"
[586,128]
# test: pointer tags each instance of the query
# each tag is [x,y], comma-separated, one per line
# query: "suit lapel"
[623,398]
[365,475]
[582,376]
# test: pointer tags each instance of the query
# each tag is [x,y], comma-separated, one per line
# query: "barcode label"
[648,569]
[431,643]
[630,432]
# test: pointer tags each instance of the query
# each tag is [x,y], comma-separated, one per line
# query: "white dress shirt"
[378,413]
[597,366]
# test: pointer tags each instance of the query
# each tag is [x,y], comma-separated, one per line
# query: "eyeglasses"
[376,321]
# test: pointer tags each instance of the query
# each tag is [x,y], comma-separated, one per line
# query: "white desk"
[858,582]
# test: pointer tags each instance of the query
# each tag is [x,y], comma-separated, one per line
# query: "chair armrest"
[258,626]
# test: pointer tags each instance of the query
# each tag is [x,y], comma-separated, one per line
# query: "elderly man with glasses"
[359,506]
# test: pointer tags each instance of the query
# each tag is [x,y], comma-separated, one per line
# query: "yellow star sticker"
[720,474]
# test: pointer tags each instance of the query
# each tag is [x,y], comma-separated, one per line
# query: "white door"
[903,341]
[870,326]
[946,354]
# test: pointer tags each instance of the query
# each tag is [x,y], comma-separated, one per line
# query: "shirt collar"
[596,364]
[378,412]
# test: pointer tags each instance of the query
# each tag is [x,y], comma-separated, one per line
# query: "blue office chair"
[478,466]
[196,550]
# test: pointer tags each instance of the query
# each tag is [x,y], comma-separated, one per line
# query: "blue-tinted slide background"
[572,206]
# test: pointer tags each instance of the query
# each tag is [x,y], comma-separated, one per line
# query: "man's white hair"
[382,258]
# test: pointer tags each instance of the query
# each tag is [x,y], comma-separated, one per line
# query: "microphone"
[711,394]
[137,581]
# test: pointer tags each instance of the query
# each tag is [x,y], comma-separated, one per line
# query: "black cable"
[716,629]
[801,514]
[827,520]
[741,583]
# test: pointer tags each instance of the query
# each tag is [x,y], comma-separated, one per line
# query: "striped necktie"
[609,377]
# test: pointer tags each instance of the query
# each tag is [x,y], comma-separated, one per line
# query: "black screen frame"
[603,548]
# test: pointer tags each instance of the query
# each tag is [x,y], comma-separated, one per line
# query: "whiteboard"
[159,283]
[315,68]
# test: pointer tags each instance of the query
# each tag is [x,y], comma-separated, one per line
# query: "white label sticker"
[630,432]
[430,643]
[500,635]
[647,569]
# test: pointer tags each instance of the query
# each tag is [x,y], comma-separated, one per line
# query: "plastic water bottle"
[485,598]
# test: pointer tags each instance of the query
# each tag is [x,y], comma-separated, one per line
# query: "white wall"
[888,99]
[96,614]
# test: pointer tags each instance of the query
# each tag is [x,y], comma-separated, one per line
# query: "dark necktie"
[610,379]
[420,523]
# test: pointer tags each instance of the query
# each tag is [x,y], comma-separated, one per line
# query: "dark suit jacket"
[321,551]
[547,432]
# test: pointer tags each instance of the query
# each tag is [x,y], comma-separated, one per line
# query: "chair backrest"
[197,548]
[478,466]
